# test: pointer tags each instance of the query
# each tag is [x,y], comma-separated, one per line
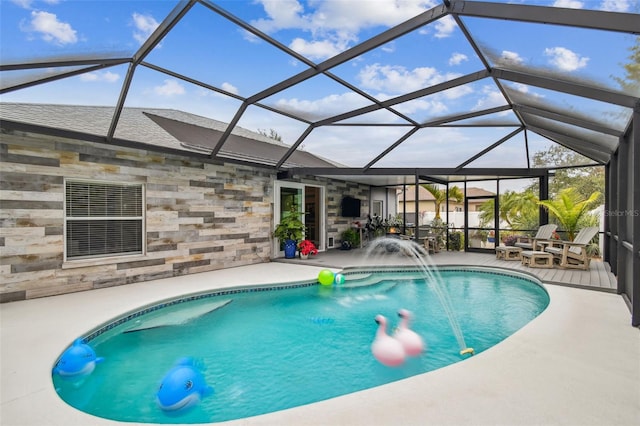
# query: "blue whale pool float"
[182,387]
[77,361]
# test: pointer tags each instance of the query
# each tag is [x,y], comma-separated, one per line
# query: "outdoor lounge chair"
[573,254]
[544,233]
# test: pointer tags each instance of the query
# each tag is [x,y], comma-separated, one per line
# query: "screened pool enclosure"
[390,93]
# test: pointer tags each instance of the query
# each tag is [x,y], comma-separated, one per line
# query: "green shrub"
[351,236]
[456,241]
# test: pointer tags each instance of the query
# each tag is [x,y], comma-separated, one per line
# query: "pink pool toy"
[387,350]
[411,342]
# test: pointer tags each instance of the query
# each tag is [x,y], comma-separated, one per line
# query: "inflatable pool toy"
[339,280]
[387,350]
[182,387]
[326,277]
[77,361]
[411,342]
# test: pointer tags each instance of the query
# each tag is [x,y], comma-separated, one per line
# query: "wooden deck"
[598,277]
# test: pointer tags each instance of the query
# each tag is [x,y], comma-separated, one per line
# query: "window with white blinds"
[103,219]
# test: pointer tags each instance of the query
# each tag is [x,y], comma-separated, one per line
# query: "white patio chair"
[573,254]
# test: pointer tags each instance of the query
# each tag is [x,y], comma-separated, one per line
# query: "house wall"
[388,198]
[201,215]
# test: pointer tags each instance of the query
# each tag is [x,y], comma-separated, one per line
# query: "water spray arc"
[431,276]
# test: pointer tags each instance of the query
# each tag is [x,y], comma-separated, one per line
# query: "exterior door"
[480,218]
[308,199]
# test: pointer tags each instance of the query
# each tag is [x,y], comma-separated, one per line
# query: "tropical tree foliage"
[519,210]
[272,134]
[440,195]
[630,83]
[569,207]
[585,180]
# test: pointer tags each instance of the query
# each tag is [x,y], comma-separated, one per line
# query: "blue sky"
[206,47]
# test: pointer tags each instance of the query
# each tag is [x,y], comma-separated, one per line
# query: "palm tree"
[519,210]
[440,195]
[569,207]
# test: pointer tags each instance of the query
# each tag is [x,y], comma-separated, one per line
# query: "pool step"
[179,317]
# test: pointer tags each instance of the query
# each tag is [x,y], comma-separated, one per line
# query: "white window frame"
[104,257]
[377,207]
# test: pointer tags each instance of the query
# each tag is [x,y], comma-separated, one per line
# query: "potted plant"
[306,247]
[375,226]
[350,239]
[289,231]
[477,238]
[393,224]
[456,241]
[510,240]
[439,231]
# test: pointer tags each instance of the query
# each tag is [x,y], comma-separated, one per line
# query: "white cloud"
[25,4]
[509,57]
[398,79]
[144,26]
[323,107]
[607,5]
[457,58]
[456,92]
[445,26]
[333,26]
[107,76]
[616,5]
[564,59]
[389,47]
[433,107]
[570,4]
[229,88]
[320,49]
[491,98]
[337,15]
[51,29]
[522,88]
[169,88]
[282,14]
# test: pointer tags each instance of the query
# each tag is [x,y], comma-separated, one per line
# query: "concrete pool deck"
[578,363]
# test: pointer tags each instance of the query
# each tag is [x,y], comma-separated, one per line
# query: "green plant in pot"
[290,230]
[350,238]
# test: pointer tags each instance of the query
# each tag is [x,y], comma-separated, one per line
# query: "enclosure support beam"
[608,254]
[608,21]
[635,209]
[621,205]
[544,195]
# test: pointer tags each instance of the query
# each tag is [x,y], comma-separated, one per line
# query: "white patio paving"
[576,364]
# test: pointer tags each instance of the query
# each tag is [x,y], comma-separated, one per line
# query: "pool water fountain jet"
[431,275]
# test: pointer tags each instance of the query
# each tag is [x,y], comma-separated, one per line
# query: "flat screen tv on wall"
[350,207]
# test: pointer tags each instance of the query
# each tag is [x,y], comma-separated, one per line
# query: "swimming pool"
[269,348]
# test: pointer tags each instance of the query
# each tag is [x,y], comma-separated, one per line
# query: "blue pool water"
[268,350]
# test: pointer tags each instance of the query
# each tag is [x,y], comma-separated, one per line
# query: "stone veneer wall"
[201,214]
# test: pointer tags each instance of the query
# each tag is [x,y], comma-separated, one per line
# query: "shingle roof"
[165,128]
